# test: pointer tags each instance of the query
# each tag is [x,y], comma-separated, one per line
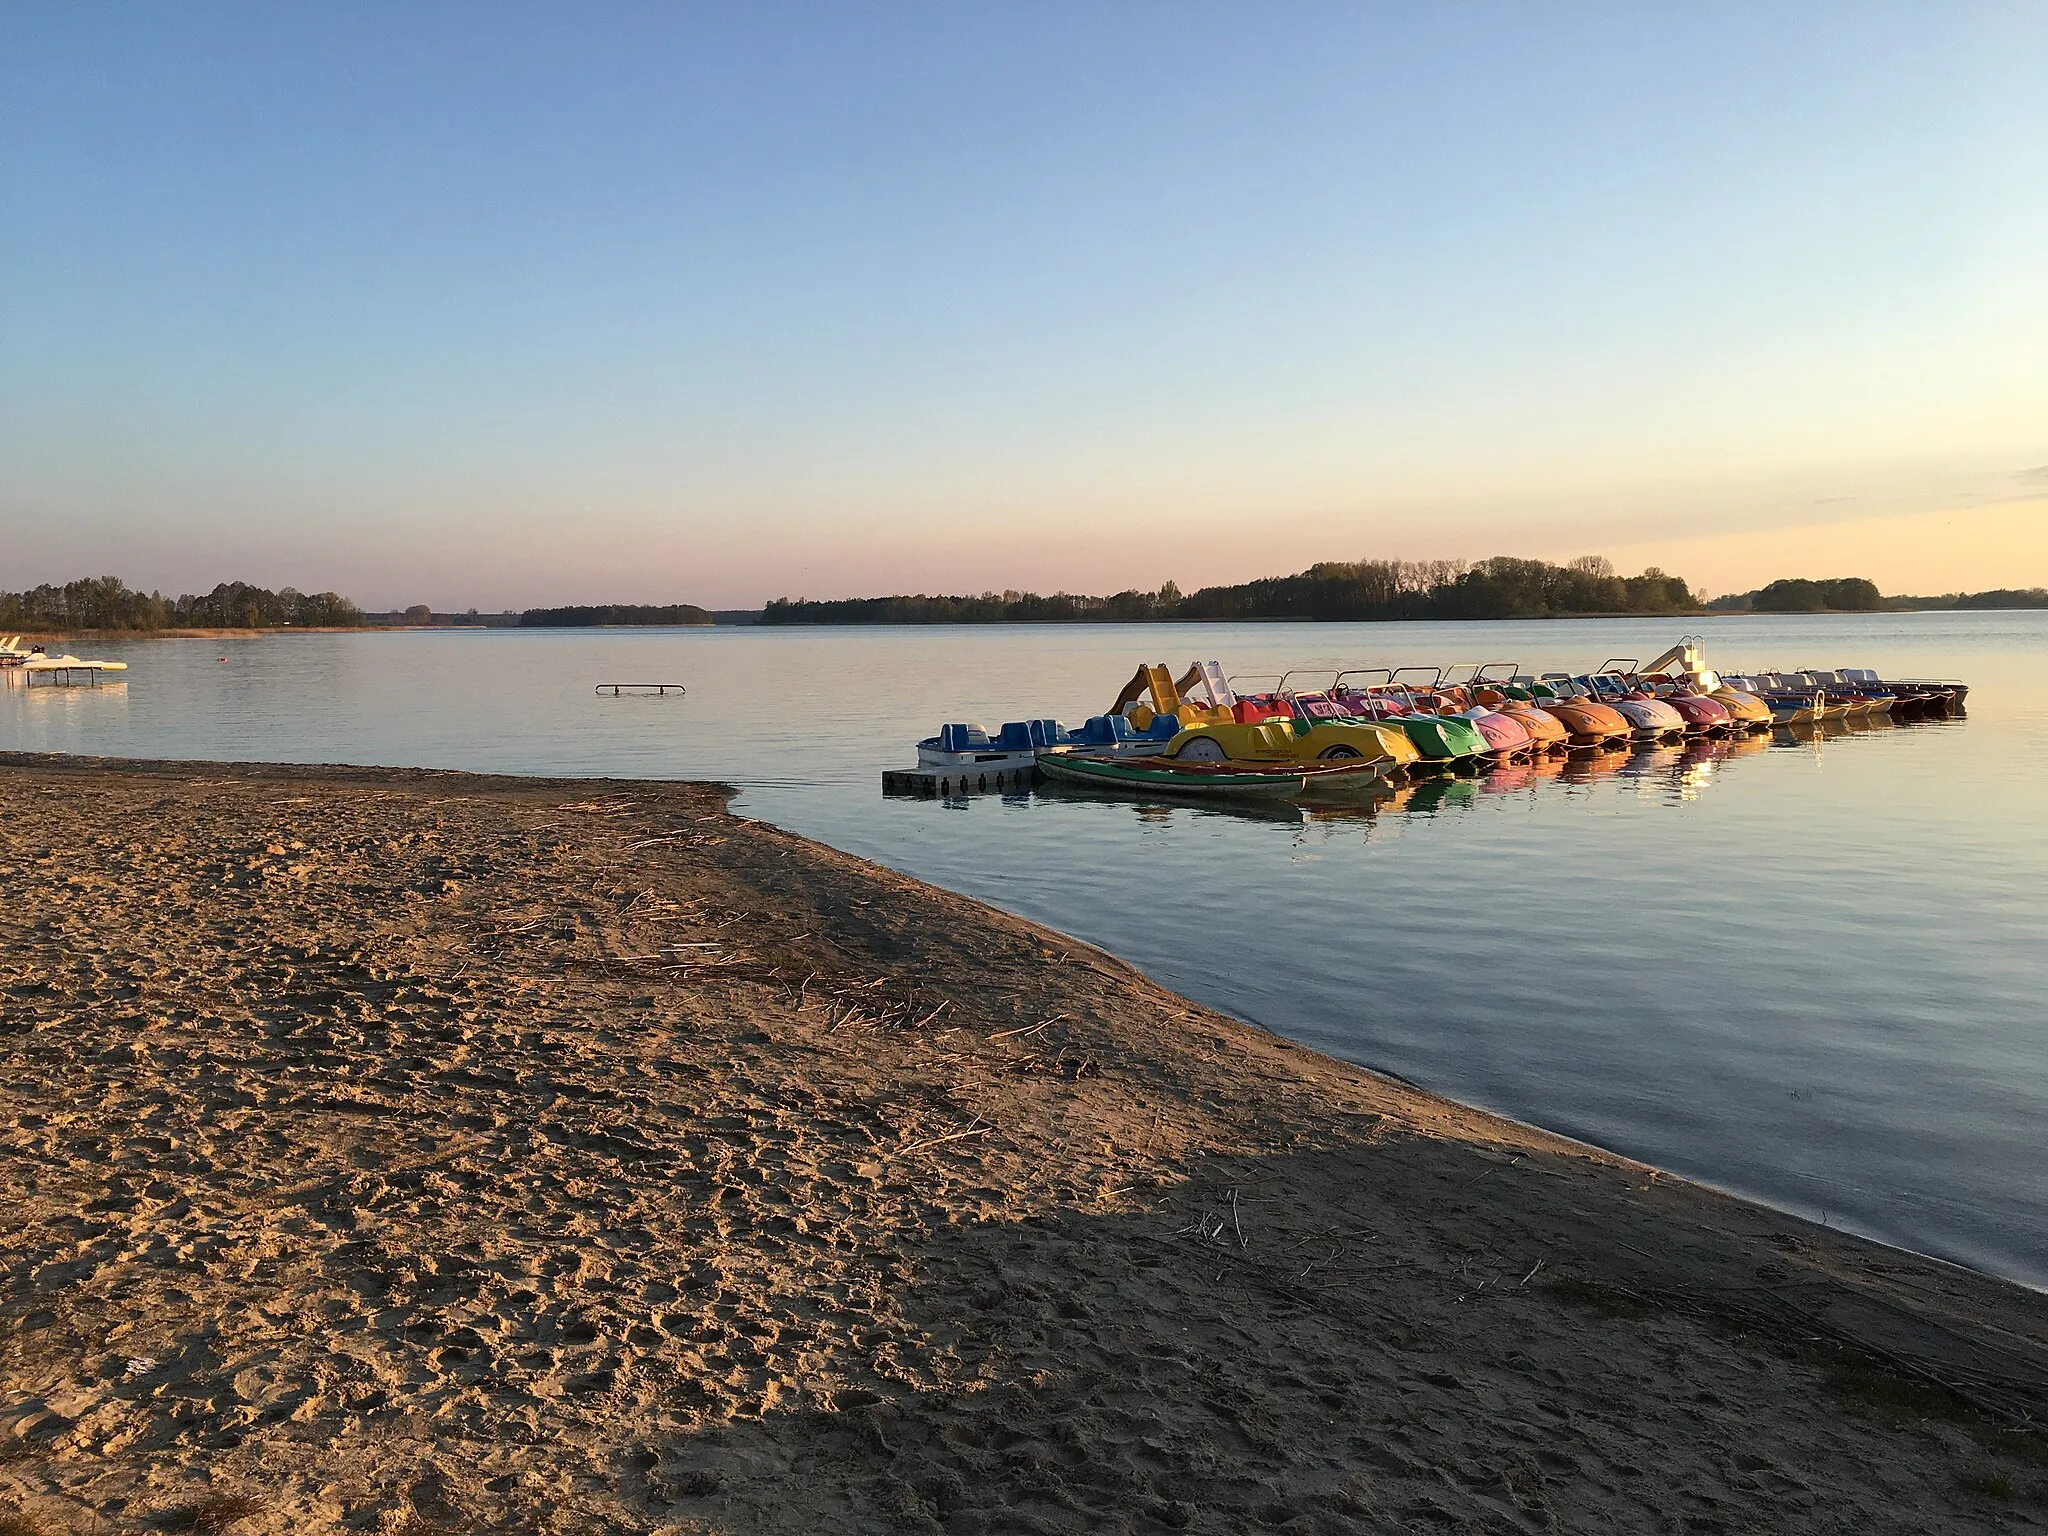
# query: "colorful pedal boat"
[1749,711]
[1791,703]
[1440,738]
[1277,725]
[1547,733]
[1835,701]
[1653,719]
[1913,696]
[1620,677]
[1331,729]
[1591,724]
[1863,698]
[1506,736]
[1646,718]
[1498,687]
[1703,715]
[1800,697]
[1681,673]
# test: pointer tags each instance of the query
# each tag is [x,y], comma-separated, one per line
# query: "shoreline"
[523,1153]
[67,636]
[100,636]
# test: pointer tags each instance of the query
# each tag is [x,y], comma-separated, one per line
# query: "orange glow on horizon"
[1921,554]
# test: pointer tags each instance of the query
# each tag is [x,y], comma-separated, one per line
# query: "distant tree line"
[1856,594]
[107,602]
[1839,594]
[989,608]
[612,613]
[1500,588]
[2002,597]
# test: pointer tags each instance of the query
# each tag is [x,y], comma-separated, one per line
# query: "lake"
[1807,970]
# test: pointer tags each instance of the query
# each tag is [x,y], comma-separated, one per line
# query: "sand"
[394,1151]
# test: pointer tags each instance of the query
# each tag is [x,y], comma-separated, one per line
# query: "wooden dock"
[946,783]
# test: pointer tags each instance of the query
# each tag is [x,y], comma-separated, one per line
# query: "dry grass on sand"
[427,1153]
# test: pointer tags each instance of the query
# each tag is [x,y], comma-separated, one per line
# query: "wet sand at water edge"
[399,1151]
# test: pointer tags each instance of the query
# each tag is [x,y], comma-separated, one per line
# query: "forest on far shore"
[613,613]
[1500,588]
[1857,594]
[107,602]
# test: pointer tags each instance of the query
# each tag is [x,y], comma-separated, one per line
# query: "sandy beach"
[399,1151]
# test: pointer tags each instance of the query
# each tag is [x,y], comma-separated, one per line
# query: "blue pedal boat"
[1016,744]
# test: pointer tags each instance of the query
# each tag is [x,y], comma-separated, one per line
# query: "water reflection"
[45,716]
[1165,811]
[34,685]
[1811,732]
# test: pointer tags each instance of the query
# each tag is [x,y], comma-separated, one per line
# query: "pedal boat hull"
[1591,725]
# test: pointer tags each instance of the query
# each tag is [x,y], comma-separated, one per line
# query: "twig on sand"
[1150,1131]
[1477,1290]
[1532,1273]
[1242,1240]
[918,1146]
[665,953]
[530,924]
[1027,1030]
[1336,1252]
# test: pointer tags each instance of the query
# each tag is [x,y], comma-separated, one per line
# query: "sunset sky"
[499,304]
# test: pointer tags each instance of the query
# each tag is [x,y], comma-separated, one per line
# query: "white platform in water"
[929,756]
[65,670]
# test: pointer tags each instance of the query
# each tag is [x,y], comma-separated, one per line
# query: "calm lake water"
[1809,971]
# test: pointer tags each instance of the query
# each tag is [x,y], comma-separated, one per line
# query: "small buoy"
[223,658]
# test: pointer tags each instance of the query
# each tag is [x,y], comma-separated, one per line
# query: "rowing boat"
[1148,774]
[1169,776]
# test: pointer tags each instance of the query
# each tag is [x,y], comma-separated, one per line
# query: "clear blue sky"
[498,304]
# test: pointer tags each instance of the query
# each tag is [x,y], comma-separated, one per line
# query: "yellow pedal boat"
[1212,732]
[1295,741]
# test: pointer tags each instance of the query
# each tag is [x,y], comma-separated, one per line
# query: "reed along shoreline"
[403,1150]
